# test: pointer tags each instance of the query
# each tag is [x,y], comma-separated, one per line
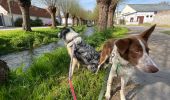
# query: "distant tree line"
[69,8]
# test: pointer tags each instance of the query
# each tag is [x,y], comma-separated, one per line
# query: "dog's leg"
[74,63]
[109,83]
[101,63]
[78,64]
[69,51]
[124,80]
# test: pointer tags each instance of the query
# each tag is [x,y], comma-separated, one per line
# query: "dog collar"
[72,39]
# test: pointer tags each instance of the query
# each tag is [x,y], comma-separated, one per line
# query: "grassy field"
[47,77]
[18,40]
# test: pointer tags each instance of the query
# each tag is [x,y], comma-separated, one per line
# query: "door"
[140,19]
[1,24]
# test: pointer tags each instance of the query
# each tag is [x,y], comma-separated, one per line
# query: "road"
[156,86]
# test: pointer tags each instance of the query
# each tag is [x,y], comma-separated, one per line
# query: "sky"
[90,4]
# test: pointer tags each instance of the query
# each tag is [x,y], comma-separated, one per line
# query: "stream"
[25,58]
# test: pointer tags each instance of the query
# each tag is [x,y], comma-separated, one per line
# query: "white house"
[141,13]
[6,17]
[70,21]
[9,14]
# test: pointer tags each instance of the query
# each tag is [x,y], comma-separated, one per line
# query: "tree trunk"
[26,18]
[111,13]
[66,15]
[103,14]
[52,10]
[77,20]
[73,20]
[53,18]
[24,7]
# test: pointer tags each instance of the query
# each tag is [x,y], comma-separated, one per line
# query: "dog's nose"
[151,69]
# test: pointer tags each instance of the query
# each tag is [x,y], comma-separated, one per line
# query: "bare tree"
[111,11]
[75,7]
[106,12]
[24,6]
[103,13]
[65,6]
[95,14]
[51,8]
[81,16]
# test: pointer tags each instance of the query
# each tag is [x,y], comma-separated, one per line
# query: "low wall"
[162,18]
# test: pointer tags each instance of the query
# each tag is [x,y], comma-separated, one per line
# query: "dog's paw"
[107,96]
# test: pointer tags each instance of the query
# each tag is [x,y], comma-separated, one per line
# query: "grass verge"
[166,32]
[18,40]
[47,77]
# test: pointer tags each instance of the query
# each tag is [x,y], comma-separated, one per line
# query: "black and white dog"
[83,53]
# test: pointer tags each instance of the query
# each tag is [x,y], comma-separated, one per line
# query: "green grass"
[18,40]
[47,77]
[166,32]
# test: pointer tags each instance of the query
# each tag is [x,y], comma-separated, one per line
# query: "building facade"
[10,12]
[134,14]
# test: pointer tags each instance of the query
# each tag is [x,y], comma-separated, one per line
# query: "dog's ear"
[122,45]
[145,35]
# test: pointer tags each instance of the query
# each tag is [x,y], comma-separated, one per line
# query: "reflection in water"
[25,58]
[89,31]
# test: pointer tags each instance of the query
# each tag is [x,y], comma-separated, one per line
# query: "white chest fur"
[120,66]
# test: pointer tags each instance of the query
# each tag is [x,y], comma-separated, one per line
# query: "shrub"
[22,41]
[36,22]
[99,37]
[79,29]
[18,22]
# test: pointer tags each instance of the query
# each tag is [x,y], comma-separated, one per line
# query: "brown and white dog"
[125,55]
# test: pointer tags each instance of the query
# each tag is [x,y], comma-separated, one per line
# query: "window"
[147,16]
[151,16]
[131,19]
